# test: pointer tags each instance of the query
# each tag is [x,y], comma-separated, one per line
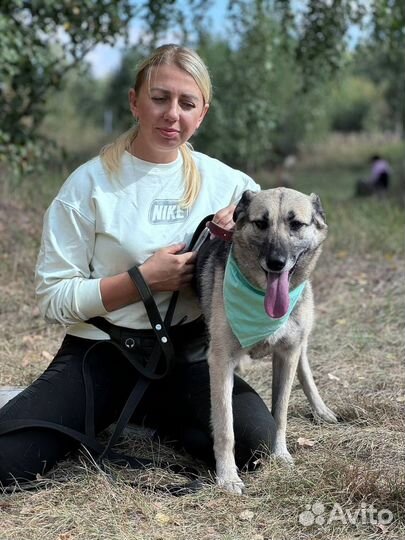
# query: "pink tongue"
[277,299]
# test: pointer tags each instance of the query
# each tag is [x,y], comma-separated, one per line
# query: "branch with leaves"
[40,40]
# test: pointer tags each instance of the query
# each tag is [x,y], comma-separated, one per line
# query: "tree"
[384,52]
[356,104]
[40,40]
[321,31]
[116,95]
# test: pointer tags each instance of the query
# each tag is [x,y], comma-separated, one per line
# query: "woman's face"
[168,113]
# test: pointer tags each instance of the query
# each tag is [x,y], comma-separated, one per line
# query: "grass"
[356,350]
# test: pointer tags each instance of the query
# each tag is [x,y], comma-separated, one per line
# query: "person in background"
[378,180]
[137,204]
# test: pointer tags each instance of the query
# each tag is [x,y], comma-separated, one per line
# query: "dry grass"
[357,352]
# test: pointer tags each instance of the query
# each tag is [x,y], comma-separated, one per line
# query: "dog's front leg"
[284,369]
[221,383]
[321,411]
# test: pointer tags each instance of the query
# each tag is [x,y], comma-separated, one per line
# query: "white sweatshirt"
[98,227]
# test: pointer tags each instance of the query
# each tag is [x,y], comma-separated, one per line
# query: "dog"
[277,240]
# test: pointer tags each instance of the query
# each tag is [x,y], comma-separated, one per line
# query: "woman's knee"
[25,454]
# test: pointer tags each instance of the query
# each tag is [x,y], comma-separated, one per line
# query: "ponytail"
[111,154]
[192,177]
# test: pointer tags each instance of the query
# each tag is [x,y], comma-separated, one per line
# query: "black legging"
[177,406]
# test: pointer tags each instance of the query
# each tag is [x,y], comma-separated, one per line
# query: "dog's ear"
[318,216]
[243,205]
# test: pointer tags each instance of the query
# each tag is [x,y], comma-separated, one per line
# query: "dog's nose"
[276,263]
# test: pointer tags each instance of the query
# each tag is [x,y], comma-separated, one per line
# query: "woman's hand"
[168,269]
[224,217]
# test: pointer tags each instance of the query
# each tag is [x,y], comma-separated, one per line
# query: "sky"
[105,59]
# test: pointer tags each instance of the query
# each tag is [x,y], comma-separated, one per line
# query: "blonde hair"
[189,61]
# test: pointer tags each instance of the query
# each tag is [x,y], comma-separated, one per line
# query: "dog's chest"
[286,336]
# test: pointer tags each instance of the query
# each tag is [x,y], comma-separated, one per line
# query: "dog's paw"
[232,485]
[283,456]
[324,414]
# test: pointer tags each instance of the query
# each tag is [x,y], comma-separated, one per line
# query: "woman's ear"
[133,102]
[203,113]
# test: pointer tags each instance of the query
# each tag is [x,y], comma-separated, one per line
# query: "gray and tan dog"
[256,297]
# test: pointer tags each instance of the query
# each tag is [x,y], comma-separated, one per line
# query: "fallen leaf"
[305,443]
[333,377]
[46,355]
[341,321]
[400,399]
[162,519]
[246,515]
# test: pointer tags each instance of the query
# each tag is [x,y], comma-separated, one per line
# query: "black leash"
[152,369]
[147,373]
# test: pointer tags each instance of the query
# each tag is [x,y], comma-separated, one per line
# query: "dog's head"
[278,236]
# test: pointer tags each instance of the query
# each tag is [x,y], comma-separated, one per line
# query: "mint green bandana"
[244,307]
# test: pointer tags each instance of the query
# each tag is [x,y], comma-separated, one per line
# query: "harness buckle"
[129,343]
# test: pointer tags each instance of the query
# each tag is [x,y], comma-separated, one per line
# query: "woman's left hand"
[224,217]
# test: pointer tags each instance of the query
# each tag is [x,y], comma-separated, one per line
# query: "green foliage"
[253,114]
[116,94]
[356,103]
[74,118]
[39,41]
[274,73]
[265,102]
[321,40]
[381,58]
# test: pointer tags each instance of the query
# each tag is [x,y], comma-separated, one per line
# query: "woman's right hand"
[168,269]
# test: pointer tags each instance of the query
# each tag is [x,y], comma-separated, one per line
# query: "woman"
[137,204]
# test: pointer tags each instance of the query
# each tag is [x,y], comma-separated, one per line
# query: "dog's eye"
[260,224]
[296,225]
